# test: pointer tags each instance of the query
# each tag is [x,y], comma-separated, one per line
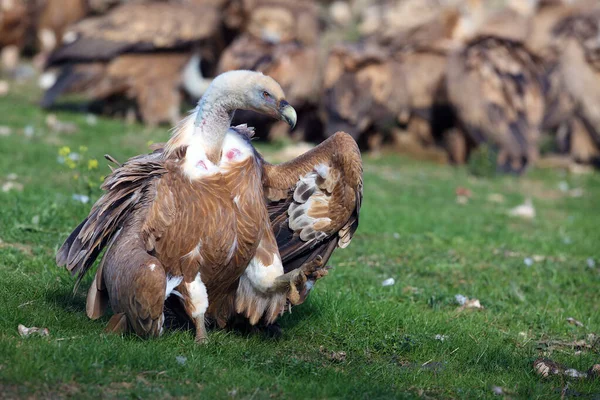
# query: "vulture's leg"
[195,305]
[264,288]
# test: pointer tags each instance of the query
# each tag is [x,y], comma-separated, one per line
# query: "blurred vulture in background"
[54,17]
[578,36]
[143,53]
[14,22]
[388,82]
[280,39]
[499,89]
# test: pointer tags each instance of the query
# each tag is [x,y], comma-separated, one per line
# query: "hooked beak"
[287,113]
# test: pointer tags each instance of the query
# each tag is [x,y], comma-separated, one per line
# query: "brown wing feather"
[314,201]
[129,188]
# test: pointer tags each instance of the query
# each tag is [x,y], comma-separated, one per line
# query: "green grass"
[412,229]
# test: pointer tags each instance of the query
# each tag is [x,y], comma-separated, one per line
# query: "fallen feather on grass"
[388,282]
[591,263]
[465,303]
[460,299]
[525,210]
[5,131]
[12,185]
[181,360]
[26,332]
[573,321]
[545,367]
[528,261]
[497,390]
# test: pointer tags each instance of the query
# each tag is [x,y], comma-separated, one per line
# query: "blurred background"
[498,84]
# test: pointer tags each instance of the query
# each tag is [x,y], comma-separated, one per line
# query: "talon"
[293,295]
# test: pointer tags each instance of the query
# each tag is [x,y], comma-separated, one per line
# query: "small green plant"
[83,170]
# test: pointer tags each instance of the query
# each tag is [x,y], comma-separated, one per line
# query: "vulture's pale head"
[230,91]
[251,90]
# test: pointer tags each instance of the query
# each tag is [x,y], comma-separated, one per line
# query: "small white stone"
[528,261]
[396,235]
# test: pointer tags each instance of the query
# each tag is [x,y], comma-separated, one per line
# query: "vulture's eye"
[266,94]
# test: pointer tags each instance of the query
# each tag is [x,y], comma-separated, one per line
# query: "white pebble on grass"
[528,261]
[591,263]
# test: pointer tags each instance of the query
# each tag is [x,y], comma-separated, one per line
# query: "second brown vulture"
[135,46]
[497,88]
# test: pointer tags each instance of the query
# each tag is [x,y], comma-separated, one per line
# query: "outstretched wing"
[130,188]
[314,200]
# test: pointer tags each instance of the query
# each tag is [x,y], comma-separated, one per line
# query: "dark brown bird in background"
[497,88]
[578,43]
[141,52]
[206,218]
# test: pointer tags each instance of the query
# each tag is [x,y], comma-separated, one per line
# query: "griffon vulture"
[497,88]
[14,23]
[104,56]
[207,219]
[381,84]
[578,36]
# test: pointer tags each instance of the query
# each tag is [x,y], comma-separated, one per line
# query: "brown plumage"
[151,81]
[134,28]
[192,217]
[14,24]
[363,87]
[497,88]
[145,53]
[54,17]
[579,48]
[282,21]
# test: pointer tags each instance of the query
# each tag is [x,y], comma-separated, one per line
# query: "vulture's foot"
[201,336]
[295,280]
